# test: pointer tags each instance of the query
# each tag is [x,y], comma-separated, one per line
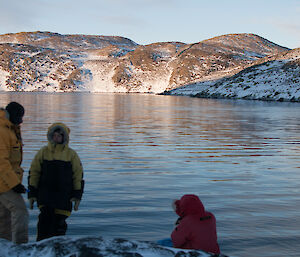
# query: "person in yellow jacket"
[13,211]
[55,182]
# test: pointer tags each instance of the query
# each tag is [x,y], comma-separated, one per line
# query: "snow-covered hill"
[45,61]
[92,247]
[273,78]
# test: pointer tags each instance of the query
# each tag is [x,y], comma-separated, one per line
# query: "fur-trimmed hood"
[63,128]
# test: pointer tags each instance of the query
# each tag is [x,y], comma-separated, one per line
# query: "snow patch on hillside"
[3,77]
[100,79]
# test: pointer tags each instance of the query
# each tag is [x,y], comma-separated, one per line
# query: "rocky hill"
[45,61]
[31,68]
[271,78]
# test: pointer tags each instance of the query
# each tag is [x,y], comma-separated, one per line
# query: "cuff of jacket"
[78,193]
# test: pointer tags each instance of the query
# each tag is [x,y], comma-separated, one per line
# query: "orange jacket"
[11,173]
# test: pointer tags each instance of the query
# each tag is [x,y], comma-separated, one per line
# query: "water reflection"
[141,151]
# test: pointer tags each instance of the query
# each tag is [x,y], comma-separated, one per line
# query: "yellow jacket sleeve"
[77,171]
[8,177]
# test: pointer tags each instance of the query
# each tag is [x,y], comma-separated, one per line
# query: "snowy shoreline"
[94,246]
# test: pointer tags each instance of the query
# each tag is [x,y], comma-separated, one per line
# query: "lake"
[141,151]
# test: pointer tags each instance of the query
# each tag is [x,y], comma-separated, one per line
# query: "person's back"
[197,228]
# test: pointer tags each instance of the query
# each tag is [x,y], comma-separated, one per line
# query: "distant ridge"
[56,40]
[243,40]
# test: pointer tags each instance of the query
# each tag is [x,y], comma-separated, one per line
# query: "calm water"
[140,152]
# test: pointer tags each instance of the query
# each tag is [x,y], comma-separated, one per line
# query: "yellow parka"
[11,173]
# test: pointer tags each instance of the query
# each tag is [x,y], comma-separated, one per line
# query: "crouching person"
[55,182]
[196,228]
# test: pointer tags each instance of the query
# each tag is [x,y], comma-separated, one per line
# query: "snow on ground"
[100,80]
[93,246]
[150,83]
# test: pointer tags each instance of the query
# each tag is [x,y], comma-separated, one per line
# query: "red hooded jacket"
[197,227]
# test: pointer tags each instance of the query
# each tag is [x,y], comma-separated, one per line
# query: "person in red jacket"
[196,227]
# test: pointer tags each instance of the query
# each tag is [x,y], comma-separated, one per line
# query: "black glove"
[32,192]
[78,193]
[20,189]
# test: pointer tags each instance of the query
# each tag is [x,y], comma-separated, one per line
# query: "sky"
[150,21]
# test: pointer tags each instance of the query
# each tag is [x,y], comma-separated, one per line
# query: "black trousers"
[50,224]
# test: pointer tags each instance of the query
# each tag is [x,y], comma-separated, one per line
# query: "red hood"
[189,205]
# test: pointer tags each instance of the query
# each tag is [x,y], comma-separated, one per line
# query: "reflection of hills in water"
[102,118]
[93,247]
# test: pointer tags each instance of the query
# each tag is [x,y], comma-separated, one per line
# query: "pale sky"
[150,21]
